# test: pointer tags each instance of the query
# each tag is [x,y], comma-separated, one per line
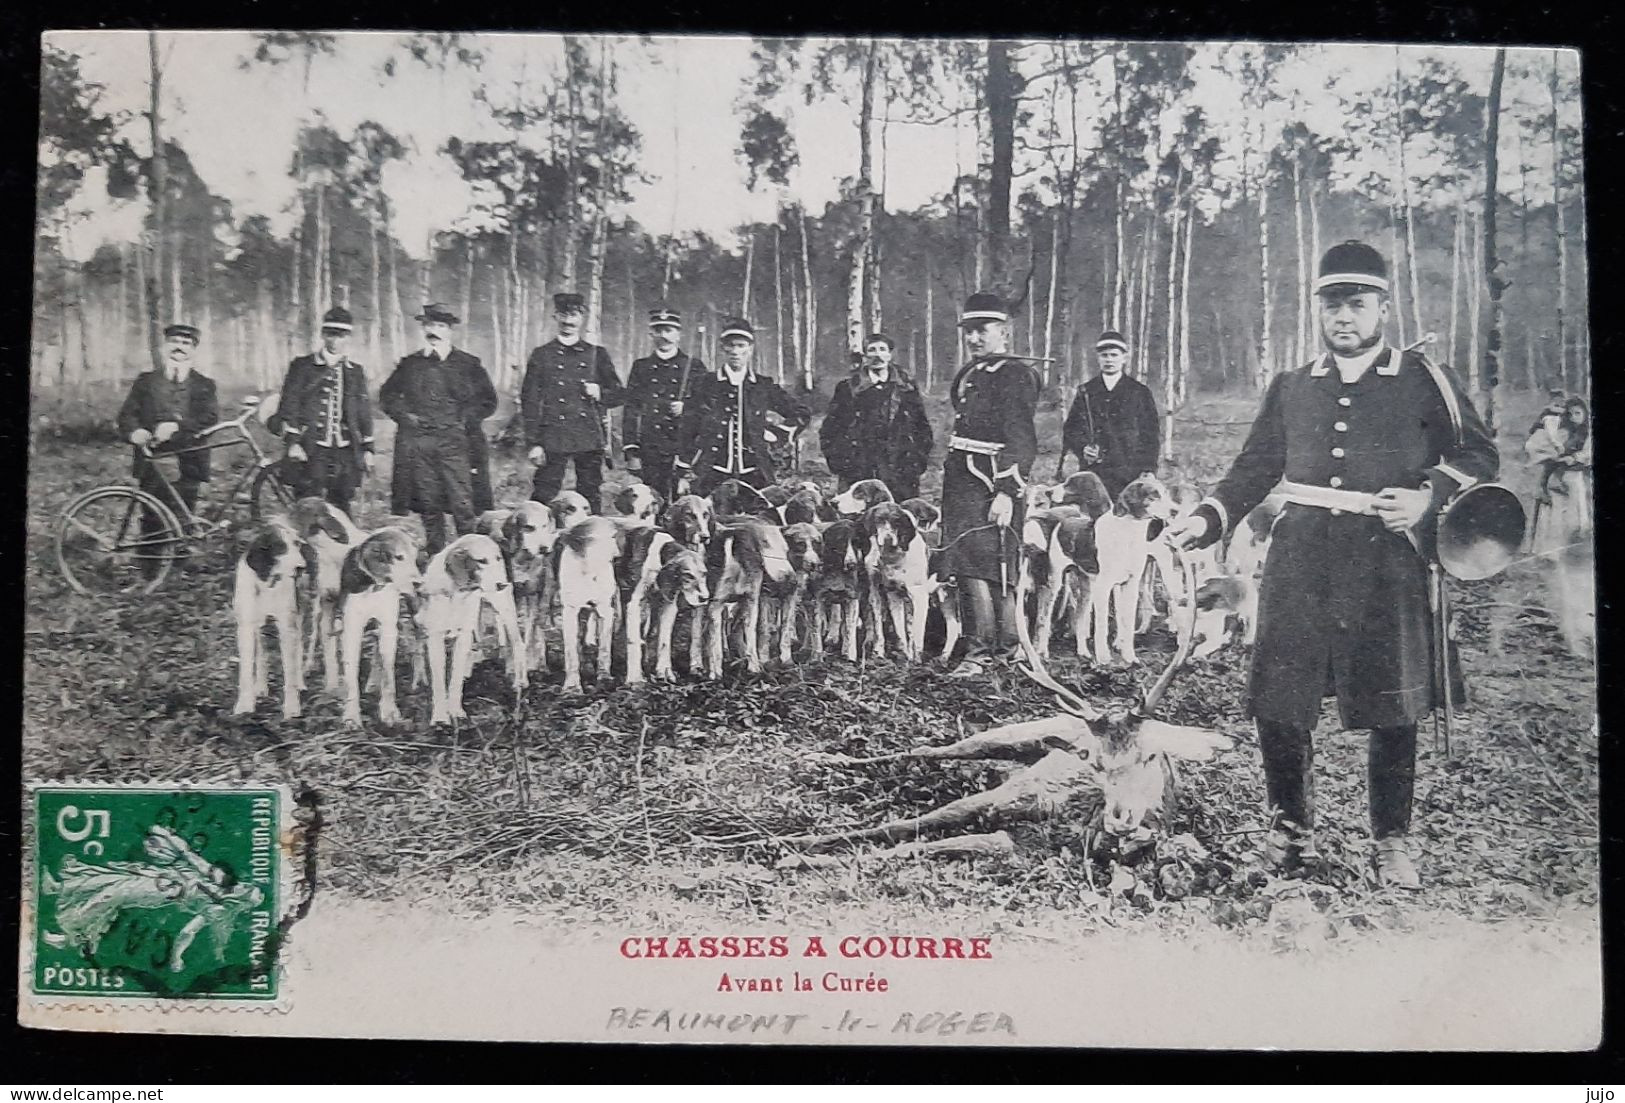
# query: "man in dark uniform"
[655,391]
[989,458]
[1371,442]
[569,384]
[164,412]
[325,416]
[731,417]
[876,426]
[437,397]
[1112,427]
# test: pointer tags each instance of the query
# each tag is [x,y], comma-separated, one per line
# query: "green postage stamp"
[156,892]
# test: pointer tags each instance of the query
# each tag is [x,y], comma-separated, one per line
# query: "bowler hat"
[438,312]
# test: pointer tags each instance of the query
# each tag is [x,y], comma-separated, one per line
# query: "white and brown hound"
[587,555]
[331,535]
[638,503]
[861,497]
[679,583]
[805,546]
[464,575]
[1124,540]
[745,554]
[527,535]
[274,561]
[899,578]
[839,585]
[379,576]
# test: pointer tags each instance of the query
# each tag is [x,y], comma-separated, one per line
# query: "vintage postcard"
[851,541]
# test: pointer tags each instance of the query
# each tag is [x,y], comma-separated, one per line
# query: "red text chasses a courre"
[892,947]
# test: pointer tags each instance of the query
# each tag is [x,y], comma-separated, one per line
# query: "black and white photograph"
[811,541]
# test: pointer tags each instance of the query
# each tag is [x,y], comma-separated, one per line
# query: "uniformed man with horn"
[731,417]
[990,455]
[1368,444]
[656,388]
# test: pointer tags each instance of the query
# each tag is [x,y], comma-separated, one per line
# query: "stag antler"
[1154,694]
[1067,698]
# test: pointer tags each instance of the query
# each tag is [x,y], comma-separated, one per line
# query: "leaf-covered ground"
[666,802]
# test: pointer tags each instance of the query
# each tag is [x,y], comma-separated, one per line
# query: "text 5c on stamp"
[166,893]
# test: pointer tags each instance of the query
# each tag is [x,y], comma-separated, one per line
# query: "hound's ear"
[332,526]
[1154,529]
[1178,741]
[262,545]
[353,574]
[513,529]
[374,559]
[907,530]
[624,500]
[309,554]
[668,551]
[463,570]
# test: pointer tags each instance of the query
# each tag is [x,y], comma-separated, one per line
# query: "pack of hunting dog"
[431,550]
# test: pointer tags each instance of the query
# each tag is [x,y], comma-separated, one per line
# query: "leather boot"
[1394,866]
[1288,847]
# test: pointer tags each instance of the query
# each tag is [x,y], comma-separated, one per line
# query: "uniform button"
[1341,426]
[1335,481]
[1337,453]
[1345,401]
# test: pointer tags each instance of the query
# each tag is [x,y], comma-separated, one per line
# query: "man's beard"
[1366,344]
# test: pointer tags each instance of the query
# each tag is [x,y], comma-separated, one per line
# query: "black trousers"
[549,478]
[657,471]
[1289,757]
[434,529]
[153,484]
[333,473]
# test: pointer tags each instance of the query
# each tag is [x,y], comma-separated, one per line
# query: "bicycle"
[120,539]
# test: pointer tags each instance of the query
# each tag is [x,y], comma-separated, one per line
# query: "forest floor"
[660,807]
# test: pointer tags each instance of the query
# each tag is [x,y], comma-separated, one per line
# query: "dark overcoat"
[648,422]
[437,408]
[718,412]
[1343,608]
[298,418]
[556,414]
[192,404]
[994,401]
[1123,422]
[877,431]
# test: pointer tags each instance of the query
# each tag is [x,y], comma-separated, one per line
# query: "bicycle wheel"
[117,540]
[269,494]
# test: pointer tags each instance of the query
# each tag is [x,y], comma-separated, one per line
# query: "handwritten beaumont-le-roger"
[753,979]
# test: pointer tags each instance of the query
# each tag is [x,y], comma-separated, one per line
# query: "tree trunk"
[1398,271]
[1312,323]
[375,327]
[1414,273]
[595,278]
[930,325]
[1002,87]
[1118,306]
[468,278]
[159,194]
[1455,284]
[798,330]
[1492,268]
[810,349]
[1305,284]
[778,298]
[394,324]
[1475,269]
[1262,378]
[500,301]
[1181,388]
[861,242]
[1170,336]
[1562,240]
[1054,276]
[750,260]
